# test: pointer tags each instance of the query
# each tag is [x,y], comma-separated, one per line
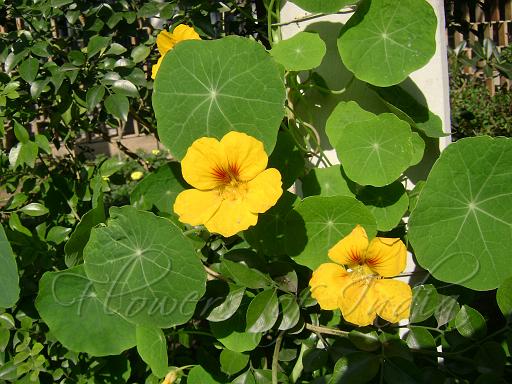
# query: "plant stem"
[315,16]
[269,22]
[275,357]
[326,330]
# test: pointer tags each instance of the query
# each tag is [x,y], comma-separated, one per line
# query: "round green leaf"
[159,189]
[301,52]
[322,6]
[504,297]
[418,148]
[398,35]
[424,302]
[330,181]
[376,151]
[34,209]
[344,113]
[232,362]
[152,348]
[262,312]
[68,303]
[118,106]
[355,368]
[388,204]
[231,333]
[470,323]
[144,268]
[9,280]
[320,222]
[208,88]
[463,216]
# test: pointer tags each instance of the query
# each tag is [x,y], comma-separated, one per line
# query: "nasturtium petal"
[69,305]
[327,284]
[245,154]
[463,217]
[301,52]
[386,40]
[144,268]
[208,88]
[351,249]
[263,191]
[318,223]
[196,207]
[231,217]
[325,6]
[376,151]
[394,299]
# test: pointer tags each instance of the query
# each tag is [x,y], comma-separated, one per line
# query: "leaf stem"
[315,16]
[269,22]
[275,356]
[326,330]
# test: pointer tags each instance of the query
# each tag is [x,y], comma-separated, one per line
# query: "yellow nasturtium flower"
[232,184]
[165,41]
[357,284]
[136,175]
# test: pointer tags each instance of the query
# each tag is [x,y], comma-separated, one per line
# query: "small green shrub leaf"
[355,368]
[262,312]
[232,362]
[470,323]
[9,280]
[424,302]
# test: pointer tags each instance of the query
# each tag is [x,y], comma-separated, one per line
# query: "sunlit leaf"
[208,88]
